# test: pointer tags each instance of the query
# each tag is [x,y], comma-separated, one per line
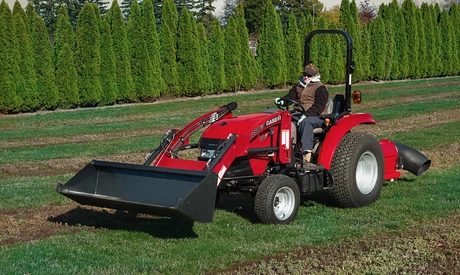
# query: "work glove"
[279,101]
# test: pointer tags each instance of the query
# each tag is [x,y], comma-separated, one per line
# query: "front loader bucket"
[184,194]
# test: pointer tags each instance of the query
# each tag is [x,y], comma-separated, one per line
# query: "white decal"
[221,174]
[285,138]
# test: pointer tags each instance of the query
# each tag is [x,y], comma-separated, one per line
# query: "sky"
[327,3]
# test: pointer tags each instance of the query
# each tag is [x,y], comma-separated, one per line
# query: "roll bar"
[349,66]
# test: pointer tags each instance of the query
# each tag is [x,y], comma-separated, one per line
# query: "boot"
[311,166]
[307,157]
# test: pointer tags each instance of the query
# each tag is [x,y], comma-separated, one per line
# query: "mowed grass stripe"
[89,149]
[119,118]
[399,107]
[147,142]
[127,113]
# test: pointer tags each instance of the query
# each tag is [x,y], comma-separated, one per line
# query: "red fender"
[336,133]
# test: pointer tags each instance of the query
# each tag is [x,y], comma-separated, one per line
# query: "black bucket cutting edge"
[184,194]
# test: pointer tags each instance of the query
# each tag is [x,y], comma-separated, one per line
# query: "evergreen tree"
[438,63]
[446,43]
[248,70]
[422,56]
[232,55]
[365,51]
[408,11]
[429,24]
[270,49]
[306,26]
[64,33]
[44,66]
[141,66]
[323,59]
[294,60]
[153,45]
[168,33]
[124,77]
[400,64]
[391,44]
[360,71]
[338,49]
[454,14]
[188,62]
[67,78]
[30,19]
[88,57]
[28,94]
[9,55]
[377,49]
[108,67]
[216,56]
[207,84]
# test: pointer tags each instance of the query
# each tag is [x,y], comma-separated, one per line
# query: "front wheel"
[357,167]
[277,200]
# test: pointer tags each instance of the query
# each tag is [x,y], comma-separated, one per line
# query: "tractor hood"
[242,125]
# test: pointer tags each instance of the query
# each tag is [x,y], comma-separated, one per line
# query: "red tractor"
[254,153]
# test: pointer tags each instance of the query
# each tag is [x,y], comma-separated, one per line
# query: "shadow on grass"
[165,228]
[242,204]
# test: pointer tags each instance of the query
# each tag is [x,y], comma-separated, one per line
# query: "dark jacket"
[313,97]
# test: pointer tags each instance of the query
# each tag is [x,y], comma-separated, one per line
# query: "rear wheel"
[357,167]
[277,200]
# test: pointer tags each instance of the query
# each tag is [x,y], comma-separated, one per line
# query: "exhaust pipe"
[412,160]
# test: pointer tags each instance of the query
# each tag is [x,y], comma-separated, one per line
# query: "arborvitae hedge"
[322,59]
[378,49]
[248,69]
[64,33]
[168,32]
[217,56]
[30,70]
[141,66]
[28,93]
[88,57]
[232,56]
[67,78]
[108,67]
[207,85]
[189,64]
[408,12]
[122,61]
[44,66]
[153,45]
[270,50]
[9,56]
[293,50]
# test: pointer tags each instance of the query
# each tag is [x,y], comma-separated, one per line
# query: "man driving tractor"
[313,96]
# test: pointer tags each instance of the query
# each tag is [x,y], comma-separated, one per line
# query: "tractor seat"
[334,107]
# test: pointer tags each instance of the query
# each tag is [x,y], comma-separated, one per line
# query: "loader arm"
[173,140]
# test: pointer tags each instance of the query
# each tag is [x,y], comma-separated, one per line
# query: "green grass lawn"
[119,243]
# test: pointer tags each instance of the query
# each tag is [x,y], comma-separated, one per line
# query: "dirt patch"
[410,123]
[53,167]
[29,224]
[76,139]
[22,225]
[400,100]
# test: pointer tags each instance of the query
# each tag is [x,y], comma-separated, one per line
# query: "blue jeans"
[305,130]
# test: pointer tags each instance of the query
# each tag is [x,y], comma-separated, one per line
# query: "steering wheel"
[286,106]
